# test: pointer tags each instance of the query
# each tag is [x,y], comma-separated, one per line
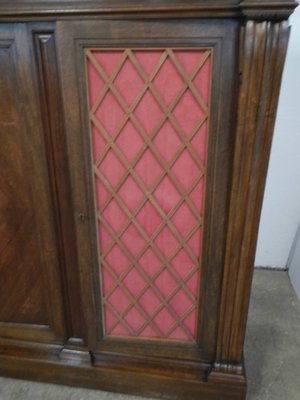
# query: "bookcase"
[135,138]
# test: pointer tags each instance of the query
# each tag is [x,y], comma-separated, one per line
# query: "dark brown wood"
[50,297]
[51,115]
[266,9]
[16,217]
[219,36]
[31,296]
[263,47]
[127,381]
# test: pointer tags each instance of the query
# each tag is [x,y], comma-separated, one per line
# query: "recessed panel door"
[150,151]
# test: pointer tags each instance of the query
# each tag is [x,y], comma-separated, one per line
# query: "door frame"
[222,36]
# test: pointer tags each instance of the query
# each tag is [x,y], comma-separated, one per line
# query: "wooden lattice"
[148,113]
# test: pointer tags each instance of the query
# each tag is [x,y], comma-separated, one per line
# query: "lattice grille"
[148,112]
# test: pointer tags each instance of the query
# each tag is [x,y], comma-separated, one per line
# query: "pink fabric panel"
[149,121]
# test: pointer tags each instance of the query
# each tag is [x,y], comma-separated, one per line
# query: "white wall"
[281,207]
[294,263]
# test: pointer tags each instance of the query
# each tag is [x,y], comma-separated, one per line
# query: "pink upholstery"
[149,145]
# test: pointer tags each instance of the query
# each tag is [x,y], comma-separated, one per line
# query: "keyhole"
[81,216]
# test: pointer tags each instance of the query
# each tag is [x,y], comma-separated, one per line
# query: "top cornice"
[263,9]
[252,9]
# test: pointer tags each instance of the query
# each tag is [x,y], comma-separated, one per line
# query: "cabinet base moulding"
[167,386]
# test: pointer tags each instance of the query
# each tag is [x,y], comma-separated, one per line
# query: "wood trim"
[267,10]
[280,9]
[44,365]
[31,332]
[223,38]
[41,199]
[219,165]
[29,349]
[43,49]
[263,47]
[53,127]
[32,143]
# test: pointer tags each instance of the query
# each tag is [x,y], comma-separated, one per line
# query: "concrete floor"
[272,350]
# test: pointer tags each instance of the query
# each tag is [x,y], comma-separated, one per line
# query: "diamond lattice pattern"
[149,119]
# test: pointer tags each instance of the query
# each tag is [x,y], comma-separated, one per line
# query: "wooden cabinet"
[134,148]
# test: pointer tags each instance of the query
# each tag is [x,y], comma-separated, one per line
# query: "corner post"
[263,47]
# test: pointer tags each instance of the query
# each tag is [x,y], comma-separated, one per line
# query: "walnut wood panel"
[268,9]
[51,106]
[30,295]
[132,382]
[263,47]
[222,38]
[21,299]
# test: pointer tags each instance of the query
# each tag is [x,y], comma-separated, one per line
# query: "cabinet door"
[30,282]
[148,109]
